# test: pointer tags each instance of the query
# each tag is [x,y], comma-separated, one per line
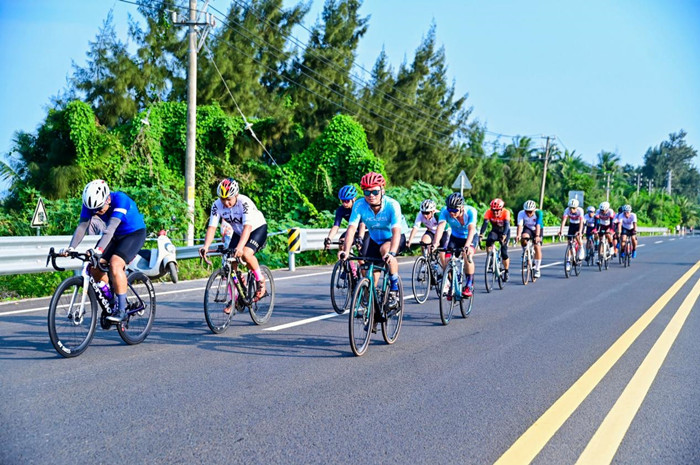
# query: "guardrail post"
[293,246]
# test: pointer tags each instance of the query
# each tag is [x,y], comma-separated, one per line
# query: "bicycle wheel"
[447,299]
[606,257]
[466,303]
[601,255]
[392,326]
[490,265]
[568,262]
[530,265]
[420,279]
[361,318]
[261,308]
[590,253]
[340,287]
[525,267]
[140,309]
[71,328]
[576,263]
[498,271]
[218,302]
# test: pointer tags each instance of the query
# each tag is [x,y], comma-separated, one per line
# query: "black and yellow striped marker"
[294,240]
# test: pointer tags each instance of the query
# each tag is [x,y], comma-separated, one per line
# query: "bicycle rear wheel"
[340,287]
[394,316]
[525,268]
[576,264]
[361,318]
[140,309]
[420,279]
[466,304]
[499,272]
[568,260]
[218,302]
[488,277]
[261,308]
[70,328]
[447,299]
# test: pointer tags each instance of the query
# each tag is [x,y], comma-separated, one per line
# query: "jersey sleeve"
[121,207]
[396,216]
[338,216]
[214,215]
[419,220]
[355,215]
[538,213]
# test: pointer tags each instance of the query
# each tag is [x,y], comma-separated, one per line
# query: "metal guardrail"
[27,254]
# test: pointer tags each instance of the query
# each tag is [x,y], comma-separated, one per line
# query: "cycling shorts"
[443,240]
[459,242]
[628,232]
[256,240]
[573,229]
[126,246]
[372,250]
[495,236]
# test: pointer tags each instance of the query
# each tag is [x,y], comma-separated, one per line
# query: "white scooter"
[156,263]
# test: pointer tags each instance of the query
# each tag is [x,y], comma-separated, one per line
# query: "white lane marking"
[551,264]
[640,245]
[671,240]
[315,318]
[658,242]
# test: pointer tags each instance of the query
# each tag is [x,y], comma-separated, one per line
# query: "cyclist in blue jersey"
[347,195]
[461,219]
[124,235]
[382,218]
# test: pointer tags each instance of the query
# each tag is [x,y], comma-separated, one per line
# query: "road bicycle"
[451,287]
[626,252]
[527,262]
[72,317]
[572,262]
[591,247]
[343,279]
[427,273]
[230,292]
[493,269]
[371,305]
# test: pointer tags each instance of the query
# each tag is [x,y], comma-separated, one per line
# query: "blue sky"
[600,75]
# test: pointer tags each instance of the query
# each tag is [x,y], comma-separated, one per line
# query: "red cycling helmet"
[372,179]
[497,204]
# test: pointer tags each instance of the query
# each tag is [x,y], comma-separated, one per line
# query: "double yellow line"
[604,444]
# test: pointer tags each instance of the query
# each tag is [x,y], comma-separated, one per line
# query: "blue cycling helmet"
[348,192]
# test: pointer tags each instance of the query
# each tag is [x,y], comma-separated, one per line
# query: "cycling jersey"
[380,224]
[628,223]
[122,208]
[590,220]
[341,214]
[243,213]
[575,215]
[430,224]
[530,222]
[605,217]
[498,221]
[459,230]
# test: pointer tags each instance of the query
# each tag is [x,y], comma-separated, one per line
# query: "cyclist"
[616,236]
[249,229]
[123,237]
[382,218]
[628,228]
[499,218]
[461,219]
[605,216]
[575,215]
[530,226]
[590,221]
[427,217]
[347,195]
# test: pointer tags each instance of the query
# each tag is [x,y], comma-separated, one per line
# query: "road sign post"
[39,217]
[462,182]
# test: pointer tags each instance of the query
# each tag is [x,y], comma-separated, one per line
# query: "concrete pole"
[544,173]
[191,122]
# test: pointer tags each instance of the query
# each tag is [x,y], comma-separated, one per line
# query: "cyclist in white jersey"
[605,216]
[249,228]
[382,218]
[530,226]
[427,217]
[461,219]
[591,222]
[627,227]
[575,215]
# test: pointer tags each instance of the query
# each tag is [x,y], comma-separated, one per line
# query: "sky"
[618,76]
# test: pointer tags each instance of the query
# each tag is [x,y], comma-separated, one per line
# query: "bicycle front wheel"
[420,279]
[140,309]
[466,304]
[489,271]
[568,260]
[525,268]
[261,307]
[394,316]
[447,298]
[72,318]
[361,318]
[218,302]
[340,287]
[499,272]
[576,263]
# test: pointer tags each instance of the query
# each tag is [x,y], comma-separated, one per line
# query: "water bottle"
[106,291]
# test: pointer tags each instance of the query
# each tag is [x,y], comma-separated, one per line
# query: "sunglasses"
[372,192]
[453,210]
[427,213]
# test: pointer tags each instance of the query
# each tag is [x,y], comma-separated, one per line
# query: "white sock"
[537,264]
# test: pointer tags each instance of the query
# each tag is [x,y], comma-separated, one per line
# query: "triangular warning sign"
[39,218]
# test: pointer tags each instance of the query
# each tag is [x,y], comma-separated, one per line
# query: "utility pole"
[193,25]
[639,180]
[650,184]
[544,173]
[668,183]
[607,188]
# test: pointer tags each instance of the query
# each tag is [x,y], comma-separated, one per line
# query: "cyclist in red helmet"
[499,218]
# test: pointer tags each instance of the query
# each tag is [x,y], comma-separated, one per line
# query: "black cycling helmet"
[454,200]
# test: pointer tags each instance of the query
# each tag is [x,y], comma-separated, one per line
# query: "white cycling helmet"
[95,194]
[573,203]
[428,205]
[529,206]
[604,206]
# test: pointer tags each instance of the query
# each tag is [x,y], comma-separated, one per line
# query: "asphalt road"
[584,369]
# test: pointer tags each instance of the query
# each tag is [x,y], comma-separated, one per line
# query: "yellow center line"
[605,442]
[526,448]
